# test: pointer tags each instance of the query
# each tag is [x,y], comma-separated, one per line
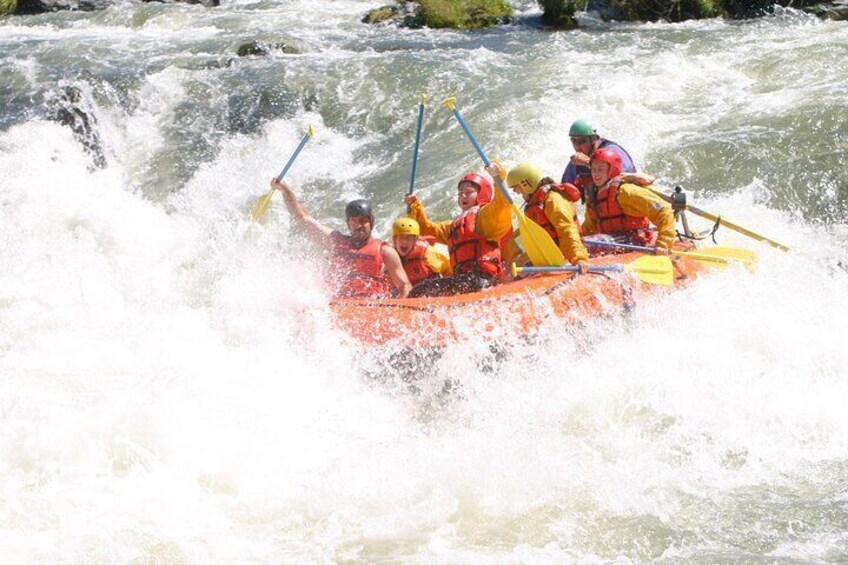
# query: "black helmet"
[358,209]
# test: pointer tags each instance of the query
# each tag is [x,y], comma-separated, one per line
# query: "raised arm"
[395,270]
[439,230]
[316,231]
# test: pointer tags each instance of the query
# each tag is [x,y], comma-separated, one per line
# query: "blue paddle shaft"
[293,157]
[620,245]
[570,269]
[415,151]
[482,154]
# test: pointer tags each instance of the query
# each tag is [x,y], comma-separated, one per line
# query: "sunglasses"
[580,140]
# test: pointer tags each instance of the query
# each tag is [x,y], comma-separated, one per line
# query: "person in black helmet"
[361,266]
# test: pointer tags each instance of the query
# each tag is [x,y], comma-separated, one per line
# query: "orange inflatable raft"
[511,309]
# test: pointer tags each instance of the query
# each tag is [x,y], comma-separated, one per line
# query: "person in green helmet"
[585,140]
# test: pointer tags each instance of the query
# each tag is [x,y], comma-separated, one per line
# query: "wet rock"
[438,14]
[68,106]
[206,3]
[43,6]
[559,13]
[652,11]
[402,14]
[28,7]
[830,11]
[262,48]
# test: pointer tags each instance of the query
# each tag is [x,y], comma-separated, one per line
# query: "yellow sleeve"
[494,219]
[588,226]
[438,262]
[561,214]
[439,230]
[637,201]
[512,253]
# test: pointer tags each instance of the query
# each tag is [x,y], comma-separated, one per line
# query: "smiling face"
[466,195]
[600,173]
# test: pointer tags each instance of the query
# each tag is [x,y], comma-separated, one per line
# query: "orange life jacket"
[608,215]
[415,262]
[535,207]
[471,252]
[358,273]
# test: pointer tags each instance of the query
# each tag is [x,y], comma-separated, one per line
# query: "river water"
[173,388]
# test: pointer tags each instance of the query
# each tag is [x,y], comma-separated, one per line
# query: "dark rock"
[262,48]
[205,3]
[27,7]
[830,11]
[559,13]
[403,14]
[652,11]
[68,106]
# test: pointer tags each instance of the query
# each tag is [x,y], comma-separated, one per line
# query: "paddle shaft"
[482,154]
[297,151]
[653,250]
[569,269]
[722,221]
[417,143]
[613,244]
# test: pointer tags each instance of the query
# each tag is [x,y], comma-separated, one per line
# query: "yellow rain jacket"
[493,220]
[437,261]
[560,215]
[641,203]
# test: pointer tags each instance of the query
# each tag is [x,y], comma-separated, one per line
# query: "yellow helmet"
[405,226]
[526,175]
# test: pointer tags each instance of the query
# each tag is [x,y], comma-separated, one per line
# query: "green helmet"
[581,127]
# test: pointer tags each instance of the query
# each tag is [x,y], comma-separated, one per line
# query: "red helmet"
[484,192]
[610,157]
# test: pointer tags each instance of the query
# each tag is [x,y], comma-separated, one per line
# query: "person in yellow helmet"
[420,258]
[551,206]
[622,211]
[472,237]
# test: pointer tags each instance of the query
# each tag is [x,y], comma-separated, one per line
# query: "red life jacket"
[415,262]
[535,207]
[609,217]
[358,273]
[471,252]
[582,182]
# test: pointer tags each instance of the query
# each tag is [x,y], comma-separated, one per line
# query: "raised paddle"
[715,256]
[538,245]
[650,269]
[417,143]
[261,206]
[721,221]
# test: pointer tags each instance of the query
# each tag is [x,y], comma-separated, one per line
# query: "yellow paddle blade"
[652,269]
[746,256]
[710,260]
[537,243]
[260,207]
